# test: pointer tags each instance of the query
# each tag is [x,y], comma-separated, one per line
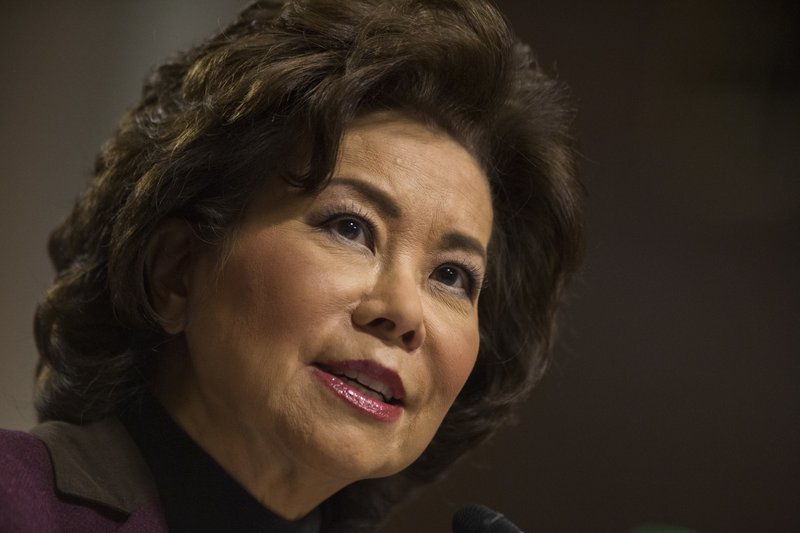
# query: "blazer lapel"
[100,463]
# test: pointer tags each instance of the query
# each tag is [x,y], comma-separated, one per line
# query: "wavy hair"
[213,121]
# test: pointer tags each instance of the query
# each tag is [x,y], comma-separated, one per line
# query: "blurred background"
[674,396]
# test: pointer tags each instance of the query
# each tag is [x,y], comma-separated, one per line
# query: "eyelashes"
[463,276]
[351,225]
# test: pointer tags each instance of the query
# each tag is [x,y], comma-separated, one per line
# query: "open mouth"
[361,376]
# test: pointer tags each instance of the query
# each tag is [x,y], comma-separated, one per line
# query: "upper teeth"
[367,381]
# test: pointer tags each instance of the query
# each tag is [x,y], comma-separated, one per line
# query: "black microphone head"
[475,518]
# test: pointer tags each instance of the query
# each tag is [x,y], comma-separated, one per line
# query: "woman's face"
[343,323]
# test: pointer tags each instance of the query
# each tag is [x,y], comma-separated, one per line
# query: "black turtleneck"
[196,493]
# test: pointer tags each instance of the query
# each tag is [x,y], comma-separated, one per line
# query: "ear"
[167,262]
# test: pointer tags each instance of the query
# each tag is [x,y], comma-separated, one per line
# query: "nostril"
[382,323]
[387,329]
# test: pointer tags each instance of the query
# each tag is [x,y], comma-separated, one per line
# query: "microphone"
[475,518]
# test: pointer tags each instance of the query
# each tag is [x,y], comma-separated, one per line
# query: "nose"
[392,310]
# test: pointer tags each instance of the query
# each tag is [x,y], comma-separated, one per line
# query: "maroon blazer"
[63,477]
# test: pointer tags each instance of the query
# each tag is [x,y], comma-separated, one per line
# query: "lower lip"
[371,407]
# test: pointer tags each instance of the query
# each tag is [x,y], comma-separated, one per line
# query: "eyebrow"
[372,193]
[449,241]
[459,241]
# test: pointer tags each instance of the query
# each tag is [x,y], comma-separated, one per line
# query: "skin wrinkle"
[407,163]
[513,117]
[293,293]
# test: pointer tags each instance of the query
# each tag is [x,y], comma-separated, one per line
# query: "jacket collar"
[98,462]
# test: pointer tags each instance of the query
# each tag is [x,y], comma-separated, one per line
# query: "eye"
[455,277]
[354,229]
[350,229]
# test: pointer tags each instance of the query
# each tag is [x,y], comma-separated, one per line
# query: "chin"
[353,456]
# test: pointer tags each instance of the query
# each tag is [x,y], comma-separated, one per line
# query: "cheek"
[252,299]
[274,286]
[271,283]
[458,353]
[274,277]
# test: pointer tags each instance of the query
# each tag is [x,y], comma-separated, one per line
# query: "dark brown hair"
[214,121]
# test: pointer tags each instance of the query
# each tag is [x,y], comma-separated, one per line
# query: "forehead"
[422,168]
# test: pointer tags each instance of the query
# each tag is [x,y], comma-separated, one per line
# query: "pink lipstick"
[371,388]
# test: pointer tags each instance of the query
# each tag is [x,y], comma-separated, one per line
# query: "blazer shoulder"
[24,462]
[98,462]
[27,494]
[66,477]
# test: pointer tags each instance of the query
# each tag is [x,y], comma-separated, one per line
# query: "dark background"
[673,397]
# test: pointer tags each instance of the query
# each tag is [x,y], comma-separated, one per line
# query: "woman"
[319,261]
